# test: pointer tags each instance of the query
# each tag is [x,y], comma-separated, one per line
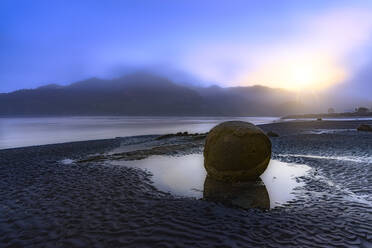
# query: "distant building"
[362,110]
[331,111]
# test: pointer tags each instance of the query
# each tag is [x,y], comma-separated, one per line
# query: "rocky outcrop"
[365,128]
[272,134]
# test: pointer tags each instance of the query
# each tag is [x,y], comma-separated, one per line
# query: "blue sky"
[286,44]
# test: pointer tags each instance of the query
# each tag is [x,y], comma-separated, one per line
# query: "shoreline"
[345,115]
[96,204]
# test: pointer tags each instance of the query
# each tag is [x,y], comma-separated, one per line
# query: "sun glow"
[298,73]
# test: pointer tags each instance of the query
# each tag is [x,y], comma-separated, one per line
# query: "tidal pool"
[186,176]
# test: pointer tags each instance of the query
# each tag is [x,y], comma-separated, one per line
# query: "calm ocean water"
[20,132]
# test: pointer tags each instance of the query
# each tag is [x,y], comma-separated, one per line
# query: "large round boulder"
[236,151]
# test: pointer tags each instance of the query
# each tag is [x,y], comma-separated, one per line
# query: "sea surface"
[20,132]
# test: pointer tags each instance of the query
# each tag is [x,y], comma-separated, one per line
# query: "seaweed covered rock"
[272,134]
[365,128]
[236,151]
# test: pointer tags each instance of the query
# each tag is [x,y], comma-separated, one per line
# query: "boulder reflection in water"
[242,194]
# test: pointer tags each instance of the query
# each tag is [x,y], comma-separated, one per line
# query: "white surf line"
[67,161]
[350,196]
[340,158]
[328,131]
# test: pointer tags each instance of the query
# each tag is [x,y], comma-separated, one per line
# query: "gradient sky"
[298,45]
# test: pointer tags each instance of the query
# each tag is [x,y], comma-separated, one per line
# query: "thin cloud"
[322,50]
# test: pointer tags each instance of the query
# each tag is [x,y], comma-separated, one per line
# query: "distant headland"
[360,112]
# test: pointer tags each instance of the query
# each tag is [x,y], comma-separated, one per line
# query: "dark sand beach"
[45,202]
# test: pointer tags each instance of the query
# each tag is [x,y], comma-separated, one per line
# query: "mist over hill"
[148,94]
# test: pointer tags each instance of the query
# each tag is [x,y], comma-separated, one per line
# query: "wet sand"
[48,203]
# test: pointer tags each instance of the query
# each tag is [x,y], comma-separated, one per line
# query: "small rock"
[365,128]
[165,136]
[180,134]
[272,134]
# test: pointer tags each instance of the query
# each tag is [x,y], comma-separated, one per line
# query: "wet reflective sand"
[49,201]
[186,176]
